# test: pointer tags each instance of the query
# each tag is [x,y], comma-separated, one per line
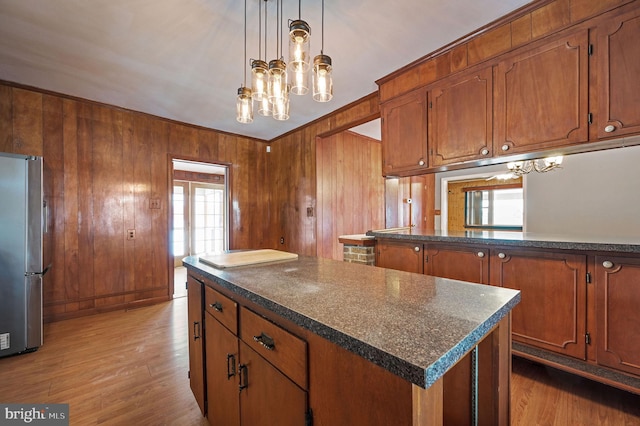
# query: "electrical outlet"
[281,240]
[131,234]
[309,211]
[154,203]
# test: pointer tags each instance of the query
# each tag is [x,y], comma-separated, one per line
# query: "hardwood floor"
[117,368]
[130,368]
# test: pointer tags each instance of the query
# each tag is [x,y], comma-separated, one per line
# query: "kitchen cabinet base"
[590,371]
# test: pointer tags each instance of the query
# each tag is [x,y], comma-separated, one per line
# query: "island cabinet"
[541,96]
[460,118]
[404,134]
[553,285]
[256,373]
[617,55]
[195,317]
[617,281]
[402,256]
[458,262]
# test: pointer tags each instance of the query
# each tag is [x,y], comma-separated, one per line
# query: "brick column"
[358,249]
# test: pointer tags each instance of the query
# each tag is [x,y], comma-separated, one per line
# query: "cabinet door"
[404,134]
[457,262]
[552,312]
[268,397]
[618,313]
[401,256]
[617,52]
[223,405]
[460,119]
[196,334]
[541,97]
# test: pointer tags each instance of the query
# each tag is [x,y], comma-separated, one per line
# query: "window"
[498,207]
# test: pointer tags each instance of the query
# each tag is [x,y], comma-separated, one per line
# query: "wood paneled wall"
[350,194]
[292,176]
[102,166]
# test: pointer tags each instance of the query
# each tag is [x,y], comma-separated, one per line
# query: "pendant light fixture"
[299,41]
[272,82]
[244,101]
[277,68]
[260,68]
[322,79]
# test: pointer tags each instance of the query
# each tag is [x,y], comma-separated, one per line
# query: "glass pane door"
[208,219]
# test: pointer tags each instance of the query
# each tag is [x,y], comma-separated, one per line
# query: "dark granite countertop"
[518,239]
[415,326]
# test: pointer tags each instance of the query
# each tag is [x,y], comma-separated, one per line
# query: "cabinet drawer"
[285,351]
[221,308]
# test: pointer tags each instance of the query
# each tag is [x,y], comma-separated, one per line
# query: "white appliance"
[22,214]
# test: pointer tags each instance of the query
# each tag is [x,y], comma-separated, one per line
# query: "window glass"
[494,208]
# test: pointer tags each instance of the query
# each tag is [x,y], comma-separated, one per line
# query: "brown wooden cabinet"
[617,311]
[541,96]
[404,134]
[403,256]
[552,311]
[196,346]
[461,118]
[256,373]
[617,55]
[458,262]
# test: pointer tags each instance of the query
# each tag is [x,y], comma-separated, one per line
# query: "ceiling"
[183,59]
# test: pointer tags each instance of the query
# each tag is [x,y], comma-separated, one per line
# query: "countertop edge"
[551,243]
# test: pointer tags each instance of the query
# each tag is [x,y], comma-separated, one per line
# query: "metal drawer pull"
[196,330]
[607,264]
[480,254]
[502,255]
[244,378]
[217,306]
[266,341]
[231,365]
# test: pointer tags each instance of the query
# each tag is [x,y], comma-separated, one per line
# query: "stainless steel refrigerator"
[22,223]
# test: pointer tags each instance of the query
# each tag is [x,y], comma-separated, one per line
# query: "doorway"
[200,222]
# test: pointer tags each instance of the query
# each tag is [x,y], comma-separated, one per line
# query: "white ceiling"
[183,59]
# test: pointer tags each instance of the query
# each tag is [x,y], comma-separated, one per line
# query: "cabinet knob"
[485,151]
[421,162]
[607,264]
[610,128]
[416,249]
[217,306]
[480,254]
[505,147]
[502,255]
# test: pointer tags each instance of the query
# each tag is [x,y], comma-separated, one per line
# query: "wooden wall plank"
[53,190]
[490,44]
[85,229]
[27,122]
[108,197]
[129,183]
[6,119]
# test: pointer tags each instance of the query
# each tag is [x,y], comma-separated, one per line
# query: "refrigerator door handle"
[29,274]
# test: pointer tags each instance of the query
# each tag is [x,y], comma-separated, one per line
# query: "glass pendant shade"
[322,80]
[299,81]
[281,107]
[244,105]
[264,106]
[259,79]
[277,80]
[299,56]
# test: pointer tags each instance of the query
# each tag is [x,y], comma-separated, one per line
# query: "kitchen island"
[374,346]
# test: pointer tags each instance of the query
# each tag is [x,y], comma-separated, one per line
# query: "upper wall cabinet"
[541,96]
[617,52]
[460,118]
[404,134]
